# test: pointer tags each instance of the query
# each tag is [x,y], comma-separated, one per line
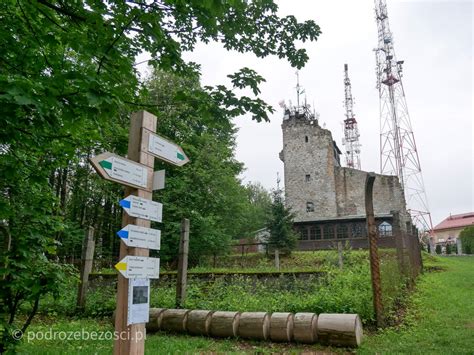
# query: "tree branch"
[32,314]
[34,35]
[124,28]
[62,11]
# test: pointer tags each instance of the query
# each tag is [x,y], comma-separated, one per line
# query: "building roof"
[456,221]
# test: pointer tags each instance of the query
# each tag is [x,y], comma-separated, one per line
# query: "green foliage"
[467,240]
[257,210]
[438,249]
[338,292]
[448,248]
[438,319]
[280,224]
[67,85]
[207,190]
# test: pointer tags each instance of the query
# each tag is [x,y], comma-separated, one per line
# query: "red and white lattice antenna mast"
[398,153]
[351,131]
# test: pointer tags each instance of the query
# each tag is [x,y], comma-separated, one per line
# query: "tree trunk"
[225,324]
[174,320]
[155,319]
[281,327]
[340,329]
[304,327]
[199,322]
[254,325]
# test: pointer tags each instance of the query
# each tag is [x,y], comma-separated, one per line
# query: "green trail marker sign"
[124,171]
[164,149]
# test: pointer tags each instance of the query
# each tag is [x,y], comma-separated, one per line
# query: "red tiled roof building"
[449,229]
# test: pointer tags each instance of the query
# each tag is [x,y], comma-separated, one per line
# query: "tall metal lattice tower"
[351,131]
[398,153]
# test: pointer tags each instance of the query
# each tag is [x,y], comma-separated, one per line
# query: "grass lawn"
[439,320]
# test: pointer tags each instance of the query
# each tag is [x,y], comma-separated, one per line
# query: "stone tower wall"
[314,157]
[334,191]
[350,193]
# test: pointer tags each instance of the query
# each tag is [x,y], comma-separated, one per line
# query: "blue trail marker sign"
[140,237]
[142,208]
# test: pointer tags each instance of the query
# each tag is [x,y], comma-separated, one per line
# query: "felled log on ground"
[281,326]
[254,325]
[224,324]
[199,322]
[304,328]
[340,329]
[174,320]
[154,323]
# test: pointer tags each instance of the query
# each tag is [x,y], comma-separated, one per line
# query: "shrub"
[467,240]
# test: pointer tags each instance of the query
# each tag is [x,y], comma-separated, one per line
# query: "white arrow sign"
[124,171]
[142,208]
[140,237]
[165,150]
[133,267]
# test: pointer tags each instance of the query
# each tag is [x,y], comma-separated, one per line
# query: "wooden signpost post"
[135,267]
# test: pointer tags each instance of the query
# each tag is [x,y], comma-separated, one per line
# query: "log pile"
[254,325]
[329,329]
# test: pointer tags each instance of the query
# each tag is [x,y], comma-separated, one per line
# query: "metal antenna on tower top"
[398,153]
[298,89]
[351,131]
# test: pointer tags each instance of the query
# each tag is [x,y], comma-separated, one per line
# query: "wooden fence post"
[87,259]
[277,259]
[182,276]
[373,249]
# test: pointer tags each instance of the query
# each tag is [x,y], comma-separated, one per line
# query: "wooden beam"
[131,339]
[86,266]
[373,249]
[182,264]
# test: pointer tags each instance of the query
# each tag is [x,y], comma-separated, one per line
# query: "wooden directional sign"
[164,149]
[124,171]
[140,237]
[132,267]
[142,208]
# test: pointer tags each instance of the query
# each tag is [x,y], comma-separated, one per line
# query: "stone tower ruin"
[328,200]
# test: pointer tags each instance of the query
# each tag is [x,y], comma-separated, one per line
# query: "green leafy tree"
[448,249]
[467,240]
[280,224]
[438,249]
[67,85]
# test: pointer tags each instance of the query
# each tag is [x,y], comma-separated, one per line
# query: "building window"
[342,231]
[315,233]
[309,207]
[304,233]
[306,139]
[385,229]
[328,231]
[358,230]
[307,177]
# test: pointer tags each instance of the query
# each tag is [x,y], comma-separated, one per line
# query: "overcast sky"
[434,38]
